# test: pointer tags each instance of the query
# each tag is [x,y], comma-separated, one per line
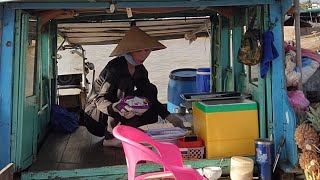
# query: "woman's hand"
[127,114]
[125,111]
[175,121]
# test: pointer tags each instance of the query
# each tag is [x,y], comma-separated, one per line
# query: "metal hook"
[273,24]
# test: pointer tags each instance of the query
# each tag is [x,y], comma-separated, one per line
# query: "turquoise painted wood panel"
[262,82]
[238,68]
[47,54]
[225,53]
[285,6]
[283,115]
[17,100]
[53,61]
[35,54]
[135,4]
[44,65]
[256,85]
[6,84]
[216,54]
[24,141]
[229,80]
[26,122]
[119,172]
[268,83]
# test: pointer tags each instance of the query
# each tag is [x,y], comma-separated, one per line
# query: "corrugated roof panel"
[112,32]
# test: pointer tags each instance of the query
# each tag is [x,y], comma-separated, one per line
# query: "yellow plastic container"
[227,127]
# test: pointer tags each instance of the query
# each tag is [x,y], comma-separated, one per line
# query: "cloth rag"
[269,52]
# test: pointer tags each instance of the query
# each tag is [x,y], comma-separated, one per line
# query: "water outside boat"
[179,54]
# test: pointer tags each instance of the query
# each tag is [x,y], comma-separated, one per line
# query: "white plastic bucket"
[241,168]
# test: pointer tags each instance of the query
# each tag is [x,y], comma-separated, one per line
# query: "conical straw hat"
[135,40]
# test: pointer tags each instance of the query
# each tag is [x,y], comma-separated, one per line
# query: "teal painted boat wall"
[238,68]
[6,85]
[138,4]
[280,105]
[44,87]
[284,120]
[225,51]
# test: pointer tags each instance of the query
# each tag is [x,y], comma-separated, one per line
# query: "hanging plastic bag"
[309,67]
[292,77]
[309,70]
[298,101]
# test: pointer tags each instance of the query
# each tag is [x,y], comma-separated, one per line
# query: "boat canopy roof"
[110,32]
[101,27]
[93,22]
[311,11]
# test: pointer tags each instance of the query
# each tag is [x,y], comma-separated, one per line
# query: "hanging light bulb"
[129,12]
[112,7]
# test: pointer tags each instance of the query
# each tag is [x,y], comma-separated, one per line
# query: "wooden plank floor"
[74,151]
[83,150]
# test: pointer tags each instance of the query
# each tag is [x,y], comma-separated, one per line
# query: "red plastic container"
[190,144]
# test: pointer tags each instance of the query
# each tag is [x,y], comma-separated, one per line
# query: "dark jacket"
[114,83]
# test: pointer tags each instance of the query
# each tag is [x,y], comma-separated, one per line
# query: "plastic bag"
[309,67]
[309,70]
[292,77]
[63,120]
[293,73]
[298,101]
[291,55]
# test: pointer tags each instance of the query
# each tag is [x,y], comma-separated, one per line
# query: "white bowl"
[200,171]
[212,172]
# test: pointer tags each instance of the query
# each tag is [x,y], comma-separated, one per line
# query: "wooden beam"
[134,4]
[138,23]
[119,172]
[113,40]
[96,16]
[116,34]
[124,29]
[7,172]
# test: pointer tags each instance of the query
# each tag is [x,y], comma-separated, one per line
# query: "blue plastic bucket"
[264,158]
[203,80]
[181,81]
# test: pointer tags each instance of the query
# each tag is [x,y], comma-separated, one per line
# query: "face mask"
[130,60]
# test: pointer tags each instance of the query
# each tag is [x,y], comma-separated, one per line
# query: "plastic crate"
[192,153]
[183,143]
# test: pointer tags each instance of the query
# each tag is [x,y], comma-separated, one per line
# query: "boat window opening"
[31,56]
[254,71]
[100,38]
[160,63]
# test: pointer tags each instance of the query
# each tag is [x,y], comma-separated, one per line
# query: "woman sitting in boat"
[125,76]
